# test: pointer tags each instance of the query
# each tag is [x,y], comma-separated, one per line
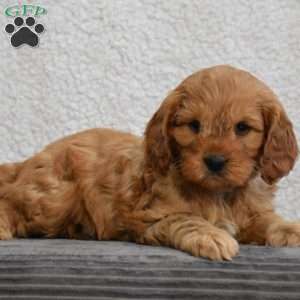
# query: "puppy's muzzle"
[215,163]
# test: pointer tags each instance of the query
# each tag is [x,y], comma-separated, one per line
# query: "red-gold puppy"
[201,180]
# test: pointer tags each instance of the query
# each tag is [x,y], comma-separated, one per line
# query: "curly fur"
[108,185]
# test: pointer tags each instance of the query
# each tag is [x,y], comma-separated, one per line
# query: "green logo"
[24,28]
[25,10]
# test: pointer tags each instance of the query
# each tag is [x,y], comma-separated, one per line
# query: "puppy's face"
[220,127]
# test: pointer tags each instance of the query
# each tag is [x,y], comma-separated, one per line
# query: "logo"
[24,29]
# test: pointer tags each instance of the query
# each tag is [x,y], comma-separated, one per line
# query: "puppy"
[201,180]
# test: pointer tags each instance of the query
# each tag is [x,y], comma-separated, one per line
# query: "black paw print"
[25,34]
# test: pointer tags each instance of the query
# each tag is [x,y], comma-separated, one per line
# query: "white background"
[110,63]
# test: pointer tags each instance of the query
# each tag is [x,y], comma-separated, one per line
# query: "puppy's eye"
[242,128]
[194,126]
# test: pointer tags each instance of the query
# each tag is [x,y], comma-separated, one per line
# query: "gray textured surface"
[68,269]
[110,63]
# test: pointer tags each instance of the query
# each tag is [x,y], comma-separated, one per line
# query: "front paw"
[215,245]
[284,235]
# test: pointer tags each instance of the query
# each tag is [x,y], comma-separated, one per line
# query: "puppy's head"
[218,128]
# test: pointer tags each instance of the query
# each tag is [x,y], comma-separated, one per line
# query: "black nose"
[215,163]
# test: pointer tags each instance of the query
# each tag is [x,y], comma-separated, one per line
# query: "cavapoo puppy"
[201,180]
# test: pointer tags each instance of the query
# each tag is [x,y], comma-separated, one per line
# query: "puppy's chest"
[218,211]
[212,208]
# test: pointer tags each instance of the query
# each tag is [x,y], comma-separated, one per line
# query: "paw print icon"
[24,32]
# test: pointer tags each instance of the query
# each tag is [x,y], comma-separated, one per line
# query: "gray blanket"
[69,269]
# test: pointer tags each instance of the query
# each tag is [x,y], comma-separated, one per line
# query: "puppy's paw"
[284,235]
[215,245]
[5,234]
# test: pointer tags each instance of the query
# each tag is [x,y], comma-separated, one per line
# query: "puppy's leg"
[8,174]
[7,230]
[191,234]
[270,229]
[100,210]
[284,234]
[5,227]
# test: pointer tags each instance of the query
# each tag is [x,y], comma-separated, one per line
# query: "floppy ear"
[280,149]
[157,148]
